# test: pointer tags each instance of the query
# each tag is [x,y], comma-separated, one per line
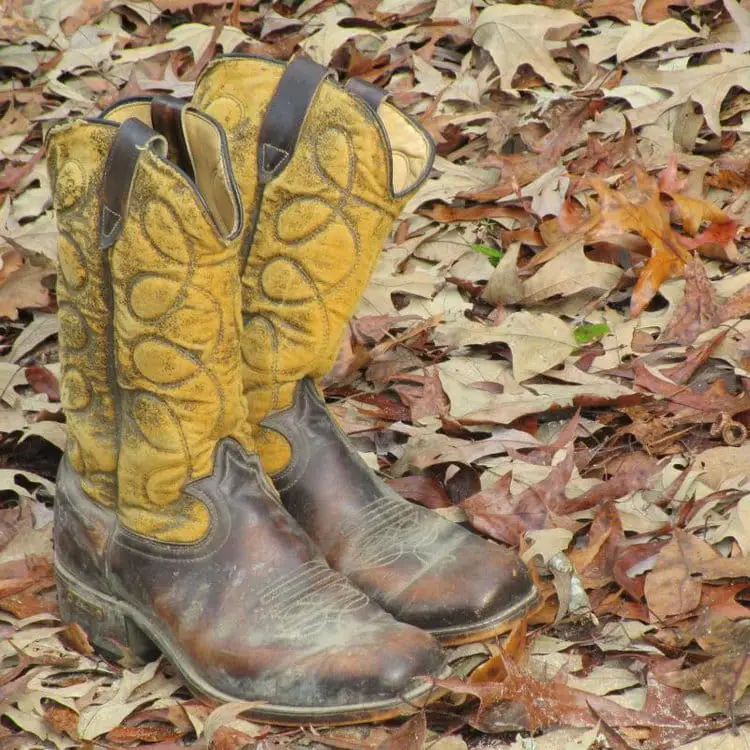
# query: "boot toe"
[476,588]
[419,656]
[379,669]
[398,666]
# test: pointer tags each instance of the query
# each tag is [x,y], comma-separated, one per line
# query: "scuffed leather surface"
[319,228]
[420,567]
[76,156]
[282,626]
[83,528]
[237,98]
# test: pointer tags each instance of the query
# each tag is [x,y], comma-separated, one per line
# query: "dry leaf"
[538,342]
[24,289]
[706,85]
[515,34]
[641,37]
[670,587]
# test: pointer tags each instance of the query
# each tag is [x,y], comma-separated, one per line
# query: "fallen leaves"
[640,37]
[640,210]
[24,288]
[726,674]
[554,349]
[538,342]
[707,86]
[670,587]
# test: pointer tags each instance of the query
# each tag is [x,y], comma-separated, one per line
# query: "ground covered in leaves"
[554,349]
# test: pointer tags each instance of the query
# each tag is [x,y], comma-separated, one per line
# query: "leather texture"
[76,157]
[316,228]
[373,96]
[285,115]
[200,558]
[176,332]
[166,117]
[169,300]
[421,568]
[252,611]
[132,138]
[315,231]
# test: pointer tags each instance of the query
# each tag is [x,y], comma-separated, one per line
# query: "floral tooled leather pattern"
[321,226]
[388,529]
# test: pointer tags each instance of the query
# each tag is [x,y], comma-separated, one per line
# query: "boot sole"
[459,635]
[118,631]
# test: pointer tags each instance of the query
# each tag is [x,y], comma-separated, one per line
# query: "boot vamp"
[426,570]
[422,568]
[255,611]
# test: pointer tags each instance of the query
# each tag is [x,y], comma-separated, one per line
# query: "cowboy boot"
[323,172]
[168,533]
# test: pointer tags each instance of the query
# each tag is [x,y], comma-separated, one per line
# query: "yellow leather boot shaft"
[236,93]
[173,344]
[318,226]
[177,323]
[76,156]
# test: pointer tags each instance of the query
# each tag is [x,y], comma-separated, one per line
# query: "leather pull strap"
[370,94]
[285,114]
[166,117]
[133,138]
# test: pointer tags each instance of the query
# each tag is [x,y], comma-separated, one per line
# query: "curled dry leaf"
[671,588]
[697,310]
[499,514]
[640,210]
[24,288]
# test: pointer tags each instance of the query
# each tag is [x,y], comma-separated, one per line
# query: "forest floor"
[554,349]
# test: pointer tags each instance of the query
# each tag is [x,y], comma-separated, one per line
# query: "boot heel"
[111,632]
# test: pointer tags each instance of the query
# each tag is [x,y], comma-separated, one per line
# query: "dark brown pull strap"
[370,94]
[285,114]
[166,117]
[133,137]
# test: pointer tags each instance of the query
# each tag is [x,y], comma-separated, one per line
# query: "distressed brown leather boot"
[168,534]
[323,171]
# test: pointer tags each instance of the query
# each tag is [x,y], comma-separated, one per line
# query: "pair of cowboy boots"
[208,506]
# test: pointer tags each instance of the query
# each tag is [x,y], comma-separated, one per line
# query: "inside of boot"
[211,169]
[121,112]
[210,161]
[410,150]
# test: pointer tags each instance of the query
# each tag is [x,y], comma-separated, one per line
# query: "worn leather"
[176,332]
[251,611]
[167,118]
[200,557]
[164,346]
[315,229]
[76,157]
[420,567]
[285,114]
[373,96]
[133,137]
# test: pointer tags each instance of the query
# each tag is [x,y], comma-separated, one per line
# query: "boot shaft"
[323,172]
[76,159]
[150,341]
